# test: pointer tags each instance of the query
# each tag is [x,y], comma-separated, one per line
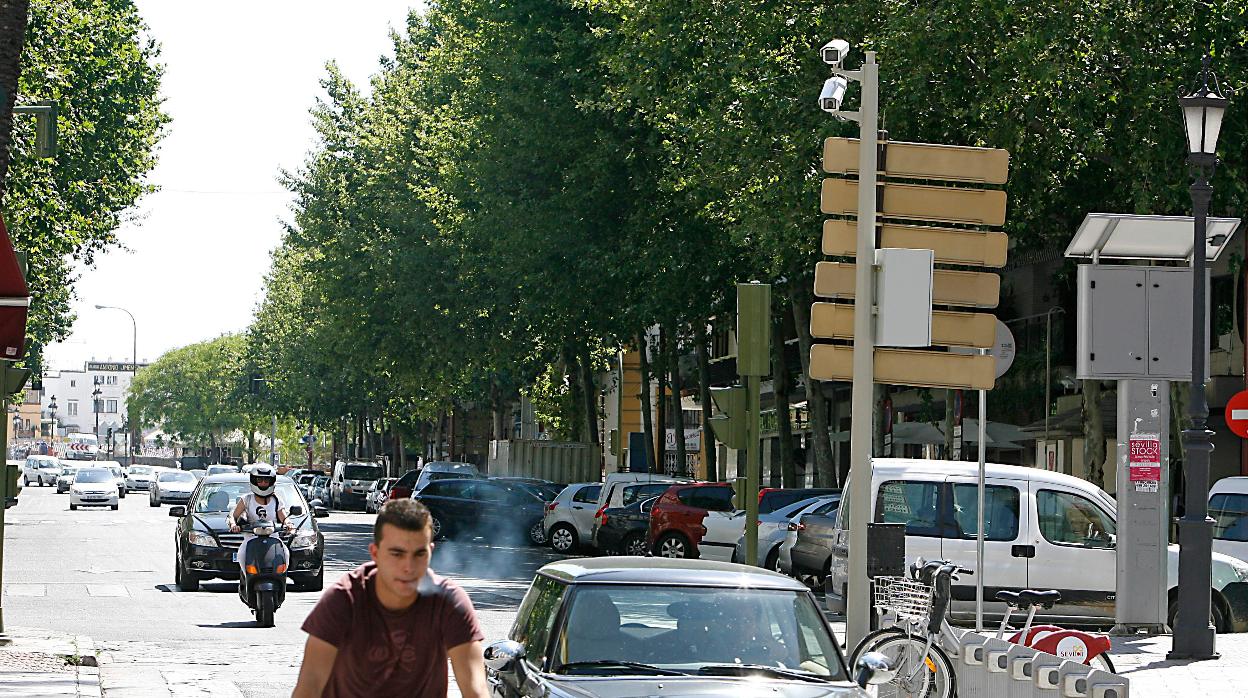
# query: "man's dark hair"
[407,514]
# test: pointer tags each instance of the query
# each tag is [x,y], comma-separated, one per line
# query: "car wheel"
[113,507]
[152,501]
[316,583]
[635,545]
[440,531]
[537,534]
[1216,616]
[563,538]
[673,545]
[773,560]
[73,507]
[184,581]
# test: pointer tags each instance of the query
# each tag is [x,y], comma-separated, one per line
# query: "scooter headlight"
[201,539]
[304,540]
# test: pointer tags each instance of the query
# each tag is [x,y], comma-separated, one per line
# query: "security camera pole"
[857,596]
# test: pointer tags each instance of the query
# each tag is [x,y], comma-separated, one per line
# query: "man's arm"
[468,661]
[318,662]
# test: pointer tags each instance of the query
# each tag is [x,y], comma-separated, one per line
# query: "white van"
[1044,530]
[1228,505]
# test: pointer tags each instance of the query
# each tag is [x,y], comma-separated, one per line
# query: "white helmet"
[263,480]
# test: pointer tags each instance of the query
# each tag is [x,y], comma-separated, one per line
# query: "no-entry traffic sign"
[1237,414]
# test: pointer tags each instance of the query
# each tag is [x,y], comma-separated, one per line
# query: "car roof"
[891,467]
[239,477]
[667,571]
[1237,484]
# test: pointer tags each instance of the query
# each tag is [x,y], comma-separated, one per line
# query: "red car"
[696,520]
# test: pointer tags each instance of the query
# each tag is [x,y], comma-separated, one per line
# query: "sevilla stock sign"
[14,301]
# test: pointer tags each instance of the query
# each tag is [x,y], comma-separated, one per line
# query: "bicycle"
[1088,648]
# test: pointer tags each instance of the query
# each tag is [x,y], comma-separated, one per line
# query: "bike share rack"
[989,667]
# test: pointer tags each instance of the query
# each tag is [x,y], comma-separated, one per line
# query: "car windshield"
[218,497]
[175,476]
[218,469]
[361,472]
[140,470]
[93,475]
[690,628]
[68,471]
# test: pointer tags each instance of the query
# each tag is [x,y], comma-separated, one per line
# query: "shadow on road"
[229,624]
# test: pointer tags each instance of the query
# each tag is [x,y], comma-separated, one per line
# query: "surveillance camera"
[833,94]
[833,53]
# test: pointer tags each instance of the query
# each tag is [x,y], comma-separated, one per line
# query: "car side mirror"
[296,510]
[506,658]
[177,511]
[873,669]
[319,512]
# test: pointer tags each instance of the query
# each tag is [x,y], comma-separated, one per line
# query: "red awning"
[14,300]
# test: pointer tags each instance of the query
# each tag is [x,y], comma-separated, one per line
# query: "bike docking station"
[989,667]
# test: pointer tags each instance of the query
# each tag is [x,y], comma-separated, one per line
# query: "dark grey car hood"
[700,686]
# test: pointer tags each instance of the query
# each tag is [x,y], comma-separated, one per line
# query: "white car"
[773,528]
[171,486]
[139,477]
[93,487]
[66,478]
[1228,505]
[119,474]
[41,470]
[569,519]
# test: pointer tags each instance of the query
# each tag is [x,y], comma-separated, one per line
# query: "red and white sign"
[1237,414]
[1144,461]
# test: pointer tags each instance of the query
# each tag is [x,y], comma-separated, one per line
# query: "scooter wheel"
[266,607]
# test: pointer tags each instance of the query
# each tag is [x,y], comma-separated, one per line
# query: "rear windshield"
[1230,515]
[361,472]
[175,476]
[94,475]
[140,470]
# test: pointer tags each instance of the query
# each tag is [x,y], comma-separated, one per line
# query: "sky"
[239,80]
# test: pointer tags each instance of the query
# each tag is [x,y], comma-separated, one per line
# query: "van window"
[1230,515]
[587,495]
[1000,512]
[915,504]
[1070,519]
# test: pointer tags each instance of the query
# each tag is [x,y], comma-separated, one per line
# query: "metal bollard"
[1106,685]
[1019,660]
[1073,679]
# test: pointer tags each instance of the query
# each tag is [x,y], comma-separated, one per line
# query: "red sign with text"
[1237,414]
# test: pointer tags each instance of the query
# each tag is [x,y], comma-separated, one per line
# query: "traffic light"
[730,421]
[110,434]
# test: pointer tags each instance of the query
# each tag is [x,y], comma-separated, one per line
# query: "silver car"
[569,520]
[139,477]
[774,526]
[66,478]
[171,486]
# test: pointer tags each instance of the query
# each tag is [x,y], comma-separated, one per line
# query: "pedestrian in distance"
[388,627]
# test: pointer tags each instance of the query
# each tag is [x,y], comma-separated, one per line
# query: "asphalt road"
[108,575]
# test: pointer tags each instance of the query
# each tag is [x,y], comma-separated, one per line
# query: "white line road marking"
[107,590]
[26,589]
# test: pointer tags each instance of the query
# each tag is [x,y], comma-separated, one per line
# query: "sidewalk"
[43,663]
[1143,661]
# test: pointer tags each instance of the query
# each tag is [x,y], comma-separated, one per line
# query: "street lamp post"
[52,410]
[95,404]
[134,356]
[1194,636]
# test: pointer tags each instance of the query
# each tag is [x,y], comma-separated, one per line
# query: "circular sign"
[1237,414]
[1003,349]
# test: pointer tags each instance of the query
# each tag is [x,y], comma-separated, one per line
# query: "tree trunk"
[438,435]
[678,411]
[13,18]
[782,387]
[576,397]
[590,391]
[647,419]
[661,366]
[949,416]
[1093,433]
[704,392]
[451,419]
[801,298]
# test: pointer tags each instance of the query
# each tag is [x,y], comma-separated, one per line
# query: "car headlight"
[304,540]
[201,539]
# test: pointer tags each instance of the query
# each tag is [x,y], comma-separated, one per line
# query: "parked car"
[304,483]
[632,487]
[570,516]
[444,470]
[119,473]
[377,494]
[773,498]
[41,470]
[629,627]
[349,484]
[479,507]
[698,520]
[205,548]
[544,490]
[173,486]
[810,528]
[94,487]
[66,478]
[1228,505]
[139,477]
[404,486]
[319,489]
[622,530]
[1043,530]
[773,526]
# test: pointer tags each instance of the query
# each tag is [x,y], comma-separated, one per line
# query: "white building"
[72,391]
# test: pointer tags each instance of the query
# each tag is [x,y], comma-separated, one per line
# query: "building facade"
[77,406]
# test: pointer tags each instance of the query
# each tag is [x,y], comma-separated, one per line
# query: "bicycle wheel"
[918,676]
[873,638]
[1102,662]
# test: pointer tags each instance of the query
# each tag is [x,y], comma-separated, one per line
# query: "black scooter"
[262,584]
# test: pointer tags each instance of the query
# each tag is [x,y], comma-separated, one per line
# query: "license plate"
[234,558]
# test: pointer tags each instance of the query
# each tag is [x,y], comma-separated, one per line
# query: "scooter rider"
[261,504]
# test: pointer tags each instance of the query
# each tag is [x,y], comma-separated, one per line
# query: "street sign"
[1237,414]
[1002,349]
[921,369]
[919,202]
[922,161]
[970,289]
[949,329]
[1144,462]
[951,245]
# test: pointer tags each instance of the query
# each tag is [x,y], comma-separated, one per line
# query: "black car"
[206,549]
[622,530]
[632,627]
[484,507]
[545,489]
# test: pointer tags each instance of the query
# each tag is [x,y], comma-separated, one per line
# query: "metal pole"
[857,594]
[5,484]
[273,443]
[1048,379]
[1194,637]
[753,466]
[980,570]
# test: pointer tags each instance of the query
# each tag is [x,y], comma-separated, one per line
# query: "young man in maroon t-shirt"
[388,627]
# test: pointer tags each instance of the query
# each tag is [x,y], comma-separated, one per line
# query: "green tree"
[190,392]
